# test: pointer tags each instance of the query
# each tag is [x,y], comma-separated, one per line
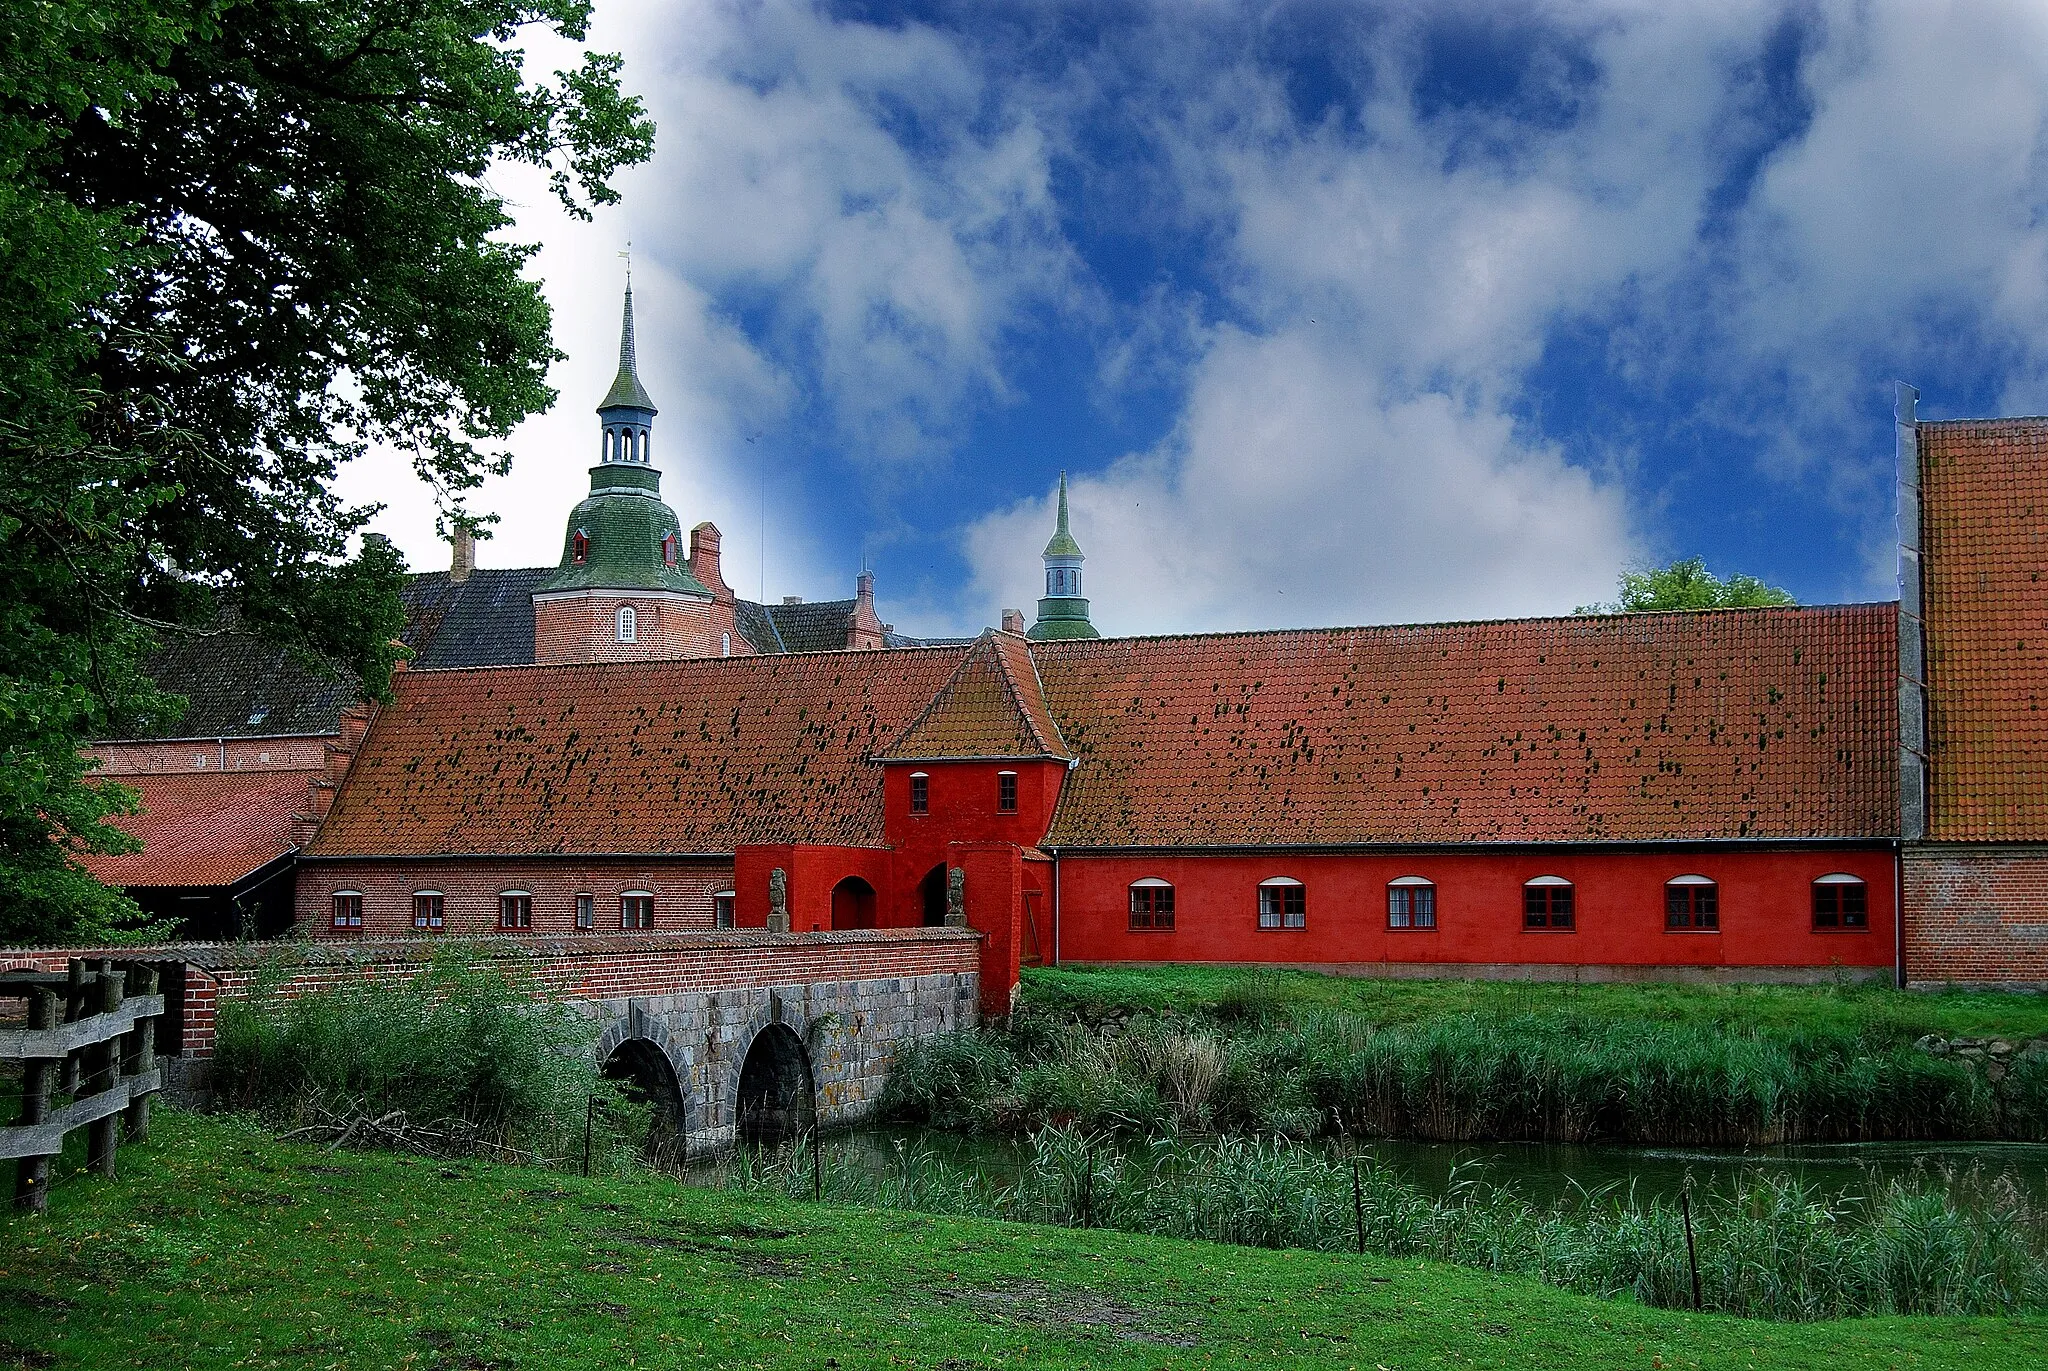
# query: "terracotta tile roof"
[992,707]
[207,829]
[1724,725]
[641,757]
[1984,526]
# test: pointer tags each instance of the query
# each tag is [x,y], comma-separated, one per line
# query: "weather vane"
[628,255]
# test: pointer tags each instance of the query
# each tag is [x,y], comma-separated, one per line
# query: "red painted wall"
[1765,910]
[813,870]
[962,810]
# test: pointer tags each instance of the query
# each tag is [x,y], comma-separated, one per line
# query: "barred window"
[1692,904]
[1151,906]
[1411,903]
[1841,902]
[1283,903]
[1547,904]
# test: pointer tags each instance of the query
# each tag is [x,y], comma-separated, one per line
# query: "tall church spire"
[1063,613]
[627,411]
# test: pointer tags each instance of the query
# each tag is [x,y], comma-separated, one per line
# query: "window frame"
[642,908]
[515,911]
[1006,792]
[1152,892]
[626,624]
[668,549]
[1700,898]
[1288,899]
[1838,919]
[353,922]
[579,548]
[429,917]
[584,916]
[1411,892]
[725,908]
[1551,918]
[920,792]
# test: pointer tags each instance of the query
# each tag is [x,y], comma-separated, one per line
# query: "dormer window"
[579,548]
[668,549]
[628,624]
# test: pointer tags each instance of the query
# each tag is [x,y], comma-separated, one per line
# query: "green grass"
[1875,1010]
[223,1247]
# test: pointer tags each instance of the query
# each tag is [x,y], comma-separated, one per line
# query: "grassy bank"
[222,1247]
[1197,1048]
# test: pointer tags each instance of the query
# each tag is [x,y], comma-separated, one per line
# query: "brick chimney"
[704,541]
[1013,621]
[864,627]
[465,554]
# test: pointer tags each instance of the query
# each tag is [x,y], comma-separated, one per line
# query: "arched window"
[629,624]
[1283,903]
[723,903]
[515,910]
[579,547]
[1411,902]
[1841,903]
[1006,792]
[1151,906]
[1692,904]
[348,909]
[920,793]
[427,910]
[725,645]
[1547,903]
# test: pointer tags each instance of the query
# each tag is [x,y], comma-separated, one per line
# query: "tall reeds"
[1767,1247]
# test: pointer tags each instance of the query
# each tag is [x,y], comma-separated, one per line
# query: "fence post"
[1692,1256]
[817,1168]
[141,1057]
[74,1005]
[589,1117]
[1358,1205]
[32,1174]
[106,1070]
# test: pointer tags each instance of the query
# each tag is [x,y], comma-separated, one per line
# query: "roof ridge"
[1055,745]
[641,664]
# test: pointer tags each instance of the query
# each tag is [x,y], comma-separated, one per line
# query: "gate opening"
[649,1078]
[853,904]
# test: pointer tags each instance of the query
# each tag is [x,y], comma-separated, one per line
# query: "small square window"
[515,912]
[426,911]
[920,795]
[1283,906]
[1152,908]
[1547,907]
[586,911]
[722,910]
[1006,792]
[636,911]
[1839,905]
[1690,907]
[348,911]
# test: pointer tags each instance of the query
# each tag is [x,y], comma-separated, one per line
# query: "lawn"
[224,1247]
[1878,1011]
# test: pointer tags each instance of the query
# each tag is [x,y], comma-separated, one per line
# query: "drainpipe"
[1899,917]
[1055,906]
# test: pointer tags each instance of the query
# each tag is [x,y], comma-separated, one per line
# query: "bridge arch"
[776,1099]
[647,1069]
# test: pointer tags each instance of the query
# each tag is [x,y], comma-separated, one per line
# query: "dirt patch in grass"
[1065,1308]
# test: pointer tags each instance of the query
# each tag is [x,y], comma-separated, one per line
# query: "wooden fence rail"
[100,1049]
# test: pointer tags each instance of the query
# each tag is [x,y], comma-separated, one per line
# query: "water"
[1545,1172]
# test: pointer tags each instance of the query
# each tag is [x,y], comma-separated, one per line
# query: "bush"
[458,1058]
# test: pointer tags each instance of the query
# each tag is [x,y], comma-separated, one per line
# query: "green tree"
[240,241]
[1687,585]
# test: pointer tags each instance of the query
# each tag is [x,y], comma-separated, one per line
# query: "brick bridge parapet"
[852,999]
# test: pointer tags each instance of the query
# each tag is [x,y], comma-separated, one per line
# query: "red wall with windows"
[1764,897]
[962,808]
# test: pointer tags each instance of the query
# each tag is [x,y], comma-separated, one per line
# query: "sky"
[1333,313]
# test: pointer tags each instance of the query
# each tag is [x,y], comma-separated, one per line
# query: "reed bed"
[1767,1247]
[1248,1064]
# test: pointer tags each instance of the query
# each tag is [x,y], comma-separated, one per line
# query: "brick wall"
[470,888]
[1976,915]
[584,628]
[190,757]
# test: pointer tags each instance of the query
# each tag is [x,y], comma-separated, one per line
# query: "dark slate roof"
[821,626]
[239,686]
[486,620]
[757,628]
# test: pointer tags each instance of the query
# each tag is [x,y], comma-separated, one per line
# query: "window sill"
[1411,928]
[1864,929]
[1694,931]
[1148,930]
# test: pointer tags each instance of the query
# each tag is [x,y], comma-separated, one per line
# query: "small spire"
[1062,544]
[1063,502]
[626,391]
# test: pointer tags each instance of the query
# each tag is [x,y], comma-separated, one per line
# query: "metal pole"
[1358,1205]
[1692,1256]
[589,1115]
[817,1168]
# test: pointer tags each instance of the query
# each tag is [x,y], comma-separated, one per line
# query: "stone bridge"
[734,1034]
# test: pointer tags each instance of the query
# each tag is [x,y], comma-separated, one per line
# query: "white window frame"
[647,895]
[732,911]
[626,624]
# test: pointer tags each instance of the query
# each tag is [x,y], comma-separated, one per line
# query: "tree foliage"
[240,241]
[1687,585]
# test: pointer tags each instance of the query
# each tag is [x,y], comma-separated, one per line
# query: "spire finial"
[1063,502]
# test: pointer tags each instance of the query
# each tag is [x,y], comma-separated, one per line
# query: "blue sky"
[1335,313]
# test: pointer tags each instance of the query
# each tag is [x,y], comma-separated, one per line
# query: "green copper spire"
[1062,544]
[626,391]
[1062,613]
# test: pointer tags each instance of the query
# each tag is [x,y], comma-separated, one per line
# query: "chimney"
[465,554]
[864,629]
[1013,621]
[792,599]
[704,540]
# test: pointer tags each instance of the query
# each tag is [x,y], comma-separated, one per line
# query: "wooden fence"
[99,1048]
